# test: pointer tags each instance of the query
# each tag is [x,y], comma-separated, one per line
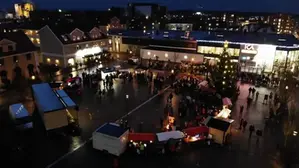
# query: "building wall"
[217,135]
[9,64]
[50,45]
[172,56]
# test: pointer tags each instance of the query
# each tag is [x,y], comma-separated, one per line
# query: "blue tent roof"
[45,98]
[18,111]
[66,100]
[111,130]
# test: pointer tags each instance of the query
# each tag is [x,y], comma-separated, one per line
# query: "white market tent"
[165,136]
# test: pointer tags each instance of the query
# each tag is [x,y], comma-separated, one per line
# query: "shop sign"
[249,49]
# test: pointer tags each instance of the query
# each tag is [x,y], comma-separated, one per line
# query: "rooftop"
[213,37]
[111,130]
[61,29]
[23,43]
[218,124]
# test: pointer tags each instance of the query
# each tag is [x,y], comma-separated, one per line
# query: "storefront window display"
[217,50]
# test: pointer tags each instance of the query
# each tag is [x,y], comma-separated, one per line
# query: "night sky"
[289,6]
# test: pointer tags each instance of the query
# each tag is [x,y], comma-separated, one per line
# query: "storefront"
[254,58]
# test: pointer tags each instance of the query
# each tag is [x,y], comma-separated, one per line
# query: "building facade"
[17,56]
[22,10]
[66,46]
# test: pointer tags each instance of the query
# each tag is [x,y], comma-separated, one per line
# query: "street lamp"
[287,87]
[33,77]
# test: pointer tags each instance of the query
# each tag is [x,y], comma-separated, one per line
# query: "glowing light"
[148,53]
[33,77]
[151,141]
[224,113]
[166,55]
[192,59]
[172,71]
[261,60]
[88,51]
[287,87]
[57,61]
[48,60]
[185,57]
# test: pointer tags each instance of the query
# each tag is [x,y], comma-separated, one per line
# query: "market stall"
[219,128]
[196,133]
[54,106]
[165,136]
[141,141]
[20,116]
[107,72]
[111,138]
[224,113]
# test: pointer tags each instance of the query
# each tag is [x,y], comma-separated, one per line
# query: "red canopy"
[142,136]
[196,130]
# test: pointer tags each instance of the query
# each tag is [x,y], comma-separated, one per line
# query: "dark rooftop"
[111,130]
[218,124]
[213,37]
[60,30]
[23,43]
[170,49]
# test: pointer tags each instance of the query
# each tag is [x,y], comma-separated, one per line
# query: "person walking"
[241,111]
[241,123]
[244,125]
[250,90]
[253,92]
[251,130]
[257,95]
[265,101]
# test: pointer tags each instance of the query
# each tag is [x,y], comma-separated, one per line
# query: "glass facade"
[217,50]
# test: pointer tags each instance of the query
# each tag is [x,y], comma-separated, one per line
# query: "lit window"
[32,39]
[148,53]
[166,55]
[37,40]
[78,38]
[86,45]
[186,57]
[64,37]
[48,60]
[57,61]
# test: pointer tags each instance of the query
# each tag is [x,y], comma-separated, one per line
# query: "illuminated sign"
[88,51]
[249,49]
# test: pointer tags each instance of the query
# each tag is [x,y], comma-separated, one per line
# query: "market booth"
[55,107]
[194,134]
[136,140]
[110,137]
[107,72]
[20,116]
[219,128]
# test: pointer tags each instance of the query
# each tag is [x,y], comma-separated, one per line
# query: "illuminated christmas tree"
[226,78]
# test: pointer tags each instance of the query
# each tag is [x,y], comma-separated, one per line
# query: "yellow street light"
[33,77]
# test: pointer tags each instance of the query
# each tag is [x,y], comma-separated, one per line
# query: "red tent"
[142,137]
[192,131]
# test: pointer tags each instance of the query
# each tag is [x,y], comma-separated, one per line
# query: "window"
[28,56]
[37,40]
[10,48]
[15,59]
[64,38]
[78,38]
[74,38]
[1,62]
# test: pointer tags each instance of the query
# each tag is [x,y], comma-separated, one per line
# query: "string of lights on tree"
[227,70]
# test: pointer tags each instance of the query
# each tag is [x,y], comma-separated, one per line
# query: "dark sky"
[290,6]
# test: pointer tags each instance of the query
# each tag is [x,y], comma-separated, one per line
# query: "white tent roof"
[165,136]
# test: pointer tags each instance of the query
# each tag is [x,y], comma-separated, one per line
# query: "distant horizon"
[254,6]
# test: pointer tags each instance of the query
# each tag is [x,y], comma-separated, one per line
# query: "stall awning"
[196,130]
[165,136]
[142,137]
